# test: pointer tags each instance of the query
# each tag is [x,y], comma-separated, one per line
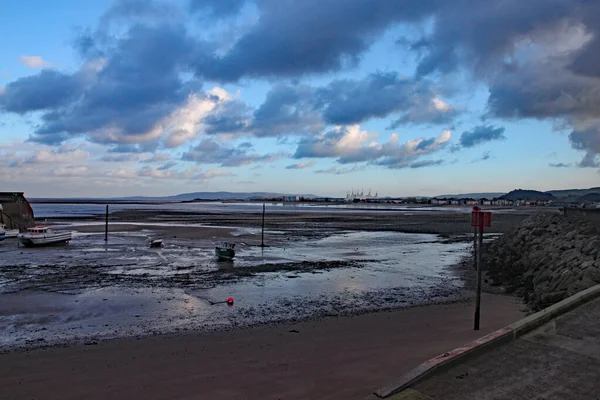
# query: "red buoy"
[230,301]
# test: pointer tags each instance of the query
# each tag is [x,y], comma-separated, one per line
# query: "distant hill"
[175,198]
[214,196]
[520,194]
[589,198]
[489,195]
[574,194]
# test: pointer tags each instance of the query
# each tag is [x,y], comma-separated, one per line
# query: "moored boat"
[9,233]
[226,251]
[156,242]
[43,236]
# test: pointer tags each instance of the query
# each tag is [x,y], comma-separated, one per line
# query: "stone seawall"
[548,258]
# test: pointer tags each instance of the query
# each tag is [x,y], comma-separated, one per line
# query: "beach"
[341,299]
[331,358]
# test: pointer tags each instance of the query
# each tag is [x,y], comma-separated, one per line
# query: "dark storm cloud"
[212,152]
[481,134]
[294,38]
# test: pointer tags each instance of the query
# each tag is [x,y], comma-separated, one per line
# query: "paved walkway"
[560,360]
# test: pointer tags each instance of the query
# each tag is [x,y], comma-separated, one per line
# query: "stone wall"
[548,258]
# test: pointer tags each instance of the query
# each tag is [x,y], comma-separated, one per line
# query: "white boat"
[43,236]
[9,233]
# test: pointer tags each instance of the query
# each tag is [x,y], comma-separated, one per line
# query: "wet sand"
[332,358]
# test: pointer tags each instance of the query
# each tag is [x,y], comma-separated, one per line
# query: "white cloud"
[57,156]
[35,62]
[350,144]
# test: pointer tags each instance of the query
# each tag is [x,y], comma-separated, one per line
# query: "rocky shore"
[547,258]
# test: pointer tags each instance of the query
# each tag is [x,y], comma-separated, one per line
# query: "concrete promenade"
[559,360]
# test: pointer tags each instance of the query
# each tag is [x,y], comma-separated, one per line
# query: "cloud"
[48,89]
[57,156]
[292,39]
[130,91]
[167,165]
[217,8]
[120,157]
[480,135]
[211,152]
[560,165]
[484,157]
[380,94]
[35,62]
[157,158]
[301,165]
[306,110]
[341,171]
[426,163]
[144,67]
[590,160]
[350,144]
[287,109]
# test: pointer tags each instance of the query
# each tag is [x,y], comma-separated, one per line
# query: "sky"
[403,98]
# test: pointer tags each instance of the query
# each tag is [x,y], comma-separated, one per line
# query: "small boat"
[156,243]
[43,236]
[9,233]
[2,234]
[226,251]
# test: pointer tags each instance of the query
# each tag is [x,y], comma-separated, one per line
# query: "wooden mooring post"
[106,225]
[262,234]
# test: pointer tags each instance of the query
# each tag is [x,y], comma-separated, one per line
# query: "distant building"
[291,198]
[15,211]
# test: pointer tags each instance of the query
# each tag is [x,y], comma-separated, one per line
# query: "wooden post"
[262,235]
[475,249]
[106,226]
[478,296]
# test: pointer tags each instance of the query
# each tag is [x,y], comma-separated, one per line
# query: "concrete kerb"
[499,337]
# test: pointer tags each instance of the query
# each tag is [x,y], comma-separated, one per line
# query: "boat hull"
[44,240]
[11,233]
[224,254]
[2,236]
